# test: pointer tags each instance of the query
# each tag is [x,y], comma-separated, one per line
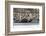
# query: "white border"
[29,27]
